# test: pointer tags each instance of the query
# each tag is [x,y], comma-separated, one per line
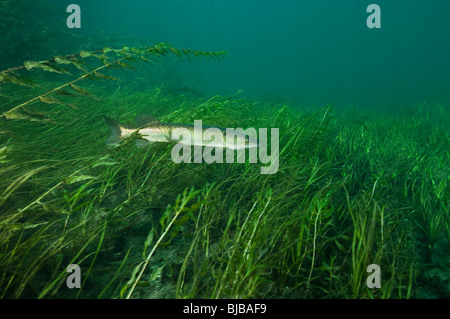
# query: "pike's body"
[150,130]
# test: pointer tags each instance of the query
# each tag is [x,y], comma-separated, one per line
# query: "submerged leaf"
[34,113]
[31,64]
[175,51]
[71,106]
[132,279]
[3,153]
[112,66]
[49,100]
[52,100]
[45,66]
[64,92]
[104,60]
[14,115]
[57,69]
[78,178]
[156,273]
[79,65]
[160,50]
[107,77]
[143,58]
[148,241]
[21,226]
[131,59]
[83,91]
[183,219]
[16,79]
[85,54]
[125,65]
[105,160]
[62,60]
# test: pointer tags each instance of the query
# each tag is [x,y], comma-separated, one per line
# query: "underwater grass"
[352,190]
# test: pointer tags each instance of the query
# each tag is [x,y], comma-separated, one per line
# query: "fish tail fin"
[116,131]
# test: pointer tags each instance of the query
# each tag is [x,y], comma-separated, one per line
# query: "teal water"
[314,51]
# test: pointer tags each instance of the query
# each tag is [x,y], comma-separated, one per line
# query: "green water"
[362,174]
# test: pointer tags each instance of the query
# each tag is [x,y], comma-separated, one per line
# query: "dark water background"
[313,51]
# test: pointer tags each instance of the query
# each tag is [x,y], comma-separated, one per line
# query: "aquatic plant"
[107,58]
[352,190]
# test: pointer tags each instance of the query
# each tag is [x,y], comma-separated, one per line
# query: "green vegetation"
[352,189]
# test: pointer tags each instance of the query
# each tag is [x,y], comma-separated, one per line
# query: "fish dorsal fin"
[145,119]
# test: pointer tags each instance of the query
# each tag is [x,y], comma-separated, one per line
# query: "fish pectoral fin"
[140,142]
[145,120]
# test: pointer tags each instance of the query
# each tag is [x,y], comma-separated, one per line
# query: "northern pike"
[149,130]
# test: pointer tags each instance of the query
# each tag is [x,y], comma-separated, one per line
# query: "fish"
[149,130]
